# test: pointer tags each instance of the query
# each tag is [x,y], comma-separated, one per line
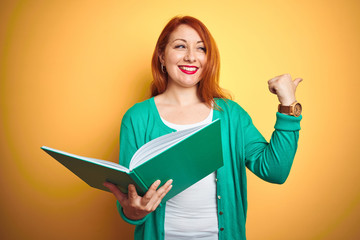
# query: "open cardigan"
[243,146]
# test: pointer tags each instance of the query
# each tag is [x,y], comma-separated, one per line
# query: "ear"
[162,59]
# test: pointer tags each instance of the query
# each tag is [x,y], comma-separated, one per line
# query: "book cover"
[185,156]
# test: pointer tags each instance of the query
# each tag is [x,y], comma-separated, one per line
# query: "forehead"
[184,32]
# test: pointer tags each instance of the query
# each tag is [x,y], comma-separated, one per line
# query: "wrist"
[129,220]
[287,102]
[132,216]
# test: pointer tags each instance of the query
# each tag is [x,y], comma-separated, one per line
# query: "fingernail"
[157,182]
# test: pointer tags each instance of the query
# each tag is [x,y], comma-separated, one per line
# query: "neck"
[181,96]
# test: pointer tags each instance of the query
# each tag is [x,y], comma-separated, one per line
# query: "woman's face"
[184,57]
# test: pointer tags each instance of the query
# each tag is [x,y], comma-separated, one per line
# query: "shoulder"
[138,111]
[230,111]
[229,106]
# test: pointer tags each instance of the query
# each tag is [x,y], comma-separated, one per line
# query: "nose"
[190,55]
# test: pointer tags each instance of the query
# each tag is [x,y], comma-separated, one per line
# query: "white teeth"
[188,68]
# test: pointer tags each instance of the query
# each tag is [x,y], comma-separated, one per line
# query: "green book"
[185,156]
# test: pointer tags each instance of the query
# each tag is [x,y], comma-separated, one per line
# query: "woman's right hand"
[136,207]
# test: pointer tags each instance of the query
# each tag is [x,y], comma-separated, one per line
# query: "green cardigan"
[243,146]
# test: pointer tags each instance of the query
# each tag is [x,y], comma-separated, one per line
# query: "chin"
[189,84]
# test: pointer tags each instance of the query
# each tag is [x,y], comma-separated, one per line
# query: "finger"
[149,194]
[116,191]
[160,193]
[297,81]
[272,88]
[273,79]
[286,75]
[156,204]
[167,189]
[277,77]
[132,193]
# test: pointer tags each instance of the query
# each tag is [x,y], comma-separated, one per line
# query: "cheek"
[172,57]
[203,61]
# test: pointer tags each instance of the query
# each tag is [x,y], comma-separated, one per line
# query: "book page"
[160,144]
[110,164]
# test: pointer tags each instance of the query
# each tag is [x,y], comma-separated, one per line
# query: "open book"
[185,156]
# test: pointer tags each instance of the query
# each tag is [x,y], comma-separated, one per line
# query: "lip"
[188,71]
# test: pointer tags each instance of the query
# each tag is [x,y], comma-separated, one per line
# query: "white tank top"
[192,214]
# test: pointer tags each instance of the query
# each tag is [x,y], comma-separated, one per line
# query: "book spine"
[141,188]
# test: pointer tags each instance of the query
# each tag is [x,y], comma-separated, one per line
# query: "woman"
[186,92]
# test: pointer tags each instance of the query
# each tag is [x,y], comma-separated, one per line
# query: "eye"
[180,46]
[203,49]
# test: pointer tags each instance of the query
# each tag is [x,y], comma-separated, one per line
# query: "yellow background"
[70,69]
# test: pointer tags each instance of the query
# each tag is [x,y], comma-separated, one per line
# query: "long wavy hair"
[208,86]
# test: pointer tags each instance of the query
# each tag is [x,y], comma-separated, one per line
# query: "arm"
[272,161]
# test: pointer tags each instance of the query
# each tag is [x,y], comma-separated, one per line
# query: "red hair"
[208,87]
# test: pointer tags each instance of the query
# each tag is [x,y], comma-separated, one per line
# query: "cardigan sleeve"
[272,161]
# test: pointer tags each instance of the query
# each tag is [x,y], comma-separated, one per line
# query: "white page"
[111,164]
[160,144]
[155,146]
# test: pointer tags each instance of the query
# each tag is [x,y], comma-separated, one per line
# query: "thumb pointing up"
[297,81]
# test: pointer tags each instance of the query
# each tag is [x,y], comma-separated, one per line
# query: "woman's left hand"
[284,87]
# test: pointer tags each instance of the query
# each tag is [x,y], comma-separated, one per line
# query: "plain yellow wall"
[70,69]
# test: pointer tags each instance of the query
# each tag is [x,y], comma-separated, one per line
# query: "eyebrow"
[186,41]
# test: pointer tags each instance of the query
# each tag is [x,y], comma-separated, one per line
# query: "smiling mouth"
[188,69]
